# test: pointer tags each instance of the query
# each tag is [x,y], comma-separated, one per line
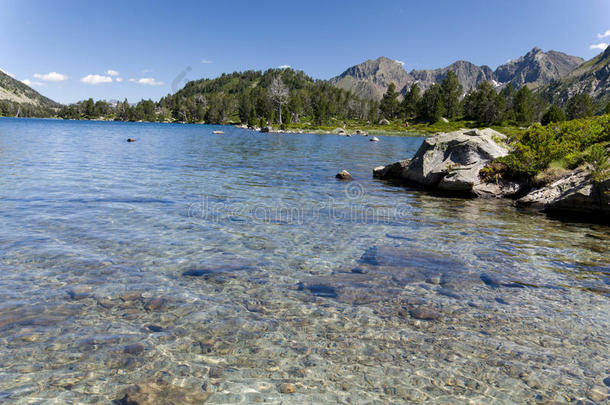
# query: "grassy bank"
[397,128]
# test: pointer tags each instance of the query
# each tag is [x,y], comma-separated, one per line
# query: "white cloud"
[132,80]
[147,71]
[205,61]
[284,67]
[30,83]
[604,35]
[401,63]
[149,81]
[51,77]
[96,79]
[601,45]
[118,79]
[111,72]
[8,73]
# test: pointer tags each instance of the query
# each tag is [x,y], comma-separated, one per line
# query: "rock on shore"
[451,162]
[574,193]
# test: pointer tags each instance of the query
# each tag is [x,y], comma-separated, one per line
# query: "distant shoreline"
[289,131]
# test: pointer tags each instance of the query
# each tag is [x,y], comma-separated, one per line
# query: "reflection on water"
[235,268]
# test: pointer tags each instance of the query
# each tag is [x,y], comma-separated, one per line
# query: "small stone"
[607,381]
[344,175]
[154,304]
[155,328]
[105,303]
[434,280]
[374,139]
[31,338]
[287,388]
[597,394]
[451,358]
[79,292]
[131,139]
[425,314]
[130,296]
[216,372]
[135,348]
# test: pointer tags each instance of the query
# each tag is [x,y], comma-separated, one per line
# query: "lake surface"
[236,268]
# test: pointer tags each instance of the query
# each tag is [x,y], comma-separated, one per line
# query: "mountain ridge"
[536,68]
[592,78]
[14,91]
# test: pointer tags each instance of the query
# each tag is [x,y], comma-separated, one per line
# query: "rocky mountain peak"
[371,79]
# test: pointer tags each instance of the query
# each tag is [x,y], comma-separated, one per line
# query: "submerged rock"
[160,392]
[450,162]
[287,388]
[424,314]
[319,290]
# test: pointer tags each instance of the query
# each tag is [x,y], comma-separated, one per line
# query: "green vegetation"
[13,109]
[17,99]
[293,101]
[553,114]
[600,164]
[563,145]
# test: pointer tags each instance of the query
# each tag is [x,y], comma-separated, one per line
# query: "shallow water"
[236,268]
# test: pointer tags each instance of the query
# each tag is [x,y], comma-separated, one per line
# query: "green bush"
[565,142]
[600,166]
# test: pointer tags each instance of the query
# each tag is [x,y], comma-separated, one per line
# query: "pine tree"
[430,107]
[484,105]
[451,91]
[410,102]
[579,106]
[553,114]
[389,102]
[524,106]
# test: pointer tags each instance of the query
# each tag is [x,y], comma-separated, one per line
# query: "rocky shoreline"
[451,163]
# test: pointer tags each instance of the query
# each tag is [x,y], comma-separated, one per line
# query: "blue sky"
[71,50]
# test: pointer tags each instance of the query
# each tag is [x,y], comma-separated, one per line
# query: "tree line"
[485,104]
[281,96]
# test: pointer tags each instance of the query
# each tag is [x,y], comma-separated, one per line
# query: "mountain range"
[537,68]
[556,75]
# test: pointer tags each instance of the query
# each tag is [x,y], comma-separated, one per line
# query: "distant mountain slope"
[592,77]
[537,68]
[14,91]
[370,79]
[469,75]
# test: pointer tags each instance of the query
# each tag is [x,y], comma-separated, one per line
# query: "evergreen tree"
[89,109]
[524,106]
[451,91]
[430,107]
[553,114]
[252,118]
[410,101]
[484,105]
[579,106]
[389,102]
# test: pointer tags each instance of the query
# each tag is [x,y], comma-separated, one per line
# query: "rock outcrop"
[451,162]
[573,194]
